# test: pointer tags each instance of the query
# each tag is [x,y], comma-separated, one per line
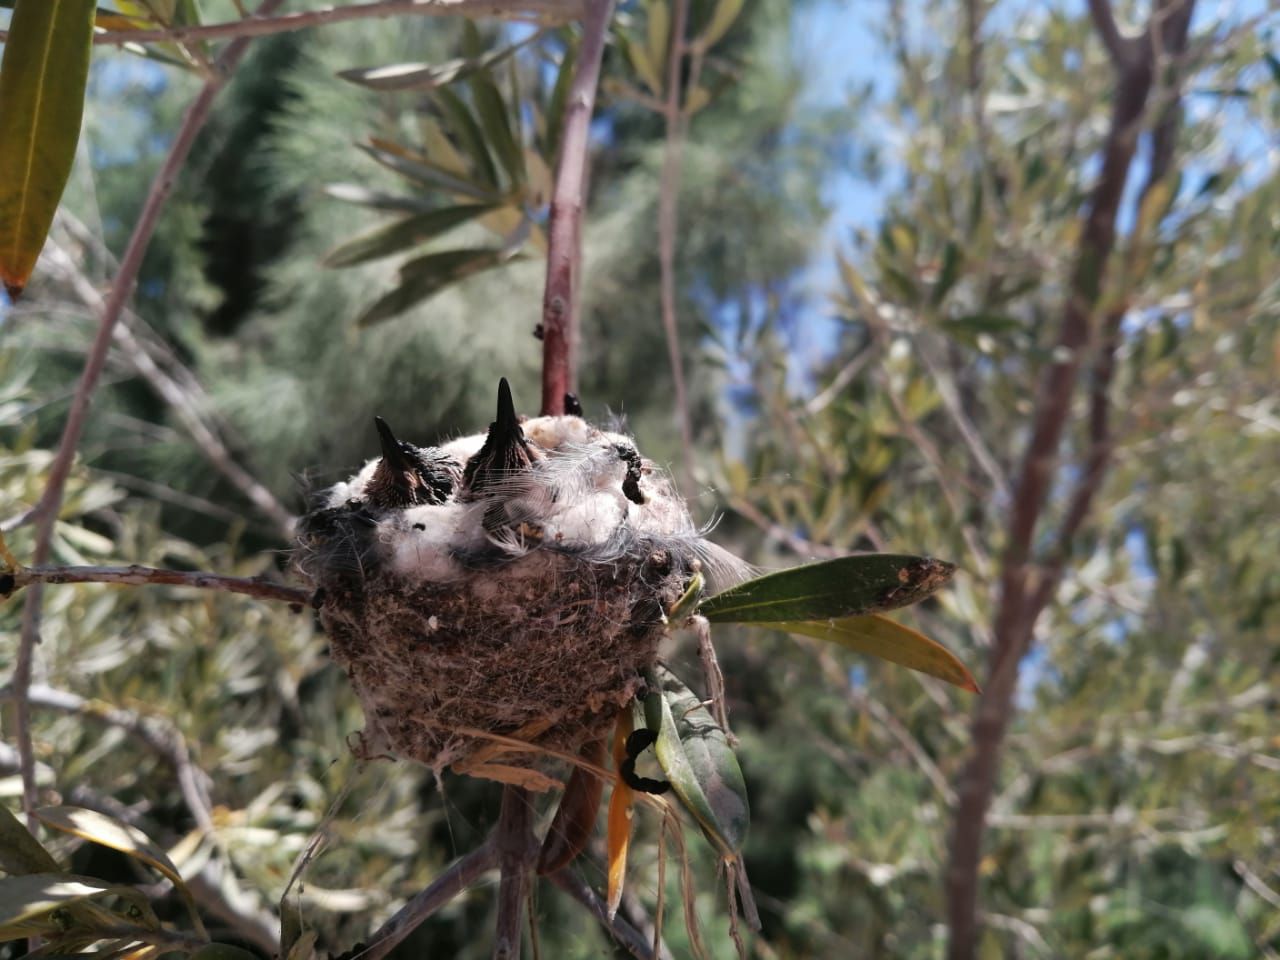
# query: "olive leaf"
[889,640]
[845,587]
[695,755]
[404,234]
[42,85]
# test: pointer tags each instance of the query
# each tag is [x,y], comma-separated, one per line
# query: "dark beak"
[504,452]
[392,452]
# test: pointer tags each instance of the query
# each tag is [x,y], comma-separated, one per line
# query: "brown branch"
[564,231]
[1017,609]
[668,210]
[46,511]
[517,849]
[626,935]
[1122,50]
[262,25]
[461,874]
[136,575]
[176,390]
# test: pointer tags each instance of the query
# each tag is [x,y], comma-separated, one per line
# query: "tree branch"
[668,209]
[1122,49]
[1017,608]
[517,849]
[136,575]
[461,874]
[262,25]
[564,231]
[626,936]
[46,511]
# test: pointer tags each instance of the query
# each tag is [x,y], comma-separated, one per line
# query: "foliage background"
[869,282]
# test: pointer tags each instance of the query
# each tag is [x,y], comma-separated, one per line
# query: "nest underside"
[545,649]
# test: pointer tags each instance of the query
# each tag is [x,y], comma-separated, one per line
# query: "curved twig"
[136,575]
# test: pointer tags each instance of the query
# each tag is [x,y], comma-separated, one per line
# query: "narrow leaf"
[948,274]
[42,84]
[658,29]
[426,276]
[696,757]
[426,173]
[495,119]
[20,852]
[28,898]
[722,18]
[575,818]
[376,200]
[401,235]
[462,124]
[886,639]
[116,835]
[848,586]
[425,76]
[618,840]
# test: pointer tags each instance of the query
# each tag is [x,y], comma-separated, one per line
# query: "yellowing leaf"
[42,84]
[889,640]
[620,803]
[722,18]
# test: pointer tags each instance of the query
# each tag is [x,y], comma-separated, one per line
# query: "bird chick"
[505,453]
[408,475]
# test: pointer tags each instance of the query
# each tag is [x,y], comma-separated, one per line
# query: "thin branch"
[626,936]
[564,231]
[668,210]
[155,733]
[46,511]
[138,353]
[262,25]
[1016,609]
[517,849]
[461,874]
[136,575]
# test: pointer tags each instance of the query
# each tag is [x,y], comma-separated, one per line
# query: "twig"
[627,936]
[46,511]
[261,25]
[1016,613]
[564,231]
[461,874]
[155,733]
[136,575]
[138,352]
[668,209]
[517,850]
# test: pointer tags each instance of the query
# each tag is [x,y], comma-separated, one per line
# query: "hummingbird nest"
[511,583]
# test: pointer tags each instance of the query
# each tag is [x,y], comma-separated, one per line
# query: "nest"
[511,584]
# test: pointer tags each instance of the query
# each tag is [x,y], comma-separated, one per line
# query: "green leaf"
[20,852]
[886,639]
[462,124]
[427,173]
[403,234]
[426,76]
[722,18]
[42,84]
[695,755]
[949,273]
[687,602]
[26,899]
[376,200]
[426,276]
[848,586]
[658,34]
[116,835]
[496,121]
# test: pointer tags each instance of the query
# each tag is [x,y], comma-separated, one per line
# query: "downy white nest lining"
[512,582]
